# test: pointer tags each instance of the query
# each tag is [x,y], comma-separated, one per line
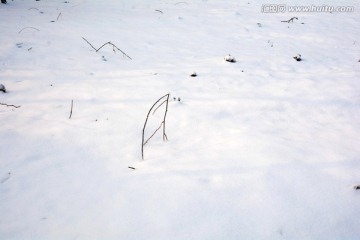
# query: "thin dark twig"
[290,20]
[57,19]
[153,133]
[33,8]
[9,105]
[72,104]
[114,46]
[159,106]
[28,27]
[103,46]
[159,11]
[146,120]
[89,43]
[164,121]
[110,43]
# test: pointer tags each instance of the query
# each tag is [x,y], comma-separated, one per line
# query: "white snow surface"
[264,148]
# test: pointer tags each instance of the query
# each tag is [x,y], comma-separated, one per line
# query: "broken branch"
[9,105]
[110,43]
[166,97]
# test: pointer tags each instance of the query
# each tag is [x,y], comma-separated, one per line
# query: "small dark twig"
[159,11]
[89,44]
[132,168]
[9,105]
[57,19]
[165,138]
[27,28]
[290,20]
[72,104]
[110,43]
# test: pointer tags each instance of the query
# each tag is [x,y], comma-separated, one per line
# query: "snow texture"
[263,148]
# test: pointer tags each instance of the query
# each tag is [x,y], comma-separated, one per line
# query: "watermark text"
[282,8]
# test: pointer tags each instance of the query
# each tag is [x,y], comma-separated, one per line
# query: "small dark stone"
[357,187]
[193,74]
[2,88]
[230,58]
[298,58]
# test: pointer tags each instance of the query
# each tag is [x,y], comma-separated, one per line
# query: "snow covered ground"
[264,148]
